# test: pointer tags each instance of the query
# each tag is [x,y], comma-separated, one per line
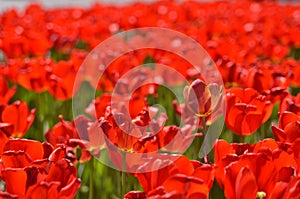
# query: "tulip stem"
[91,193]
[238,138]
[123,180]
[123,176]
[206,157]
[204,129]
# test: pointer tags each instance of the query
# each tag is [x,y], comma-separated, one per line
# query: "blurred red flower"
[61,79]
[6,93]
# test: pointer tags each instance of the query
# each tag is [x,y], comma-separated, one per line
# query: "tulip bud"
[202,99]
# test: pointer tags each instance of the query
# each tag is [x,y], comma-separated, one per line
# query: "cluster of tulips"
[46,153]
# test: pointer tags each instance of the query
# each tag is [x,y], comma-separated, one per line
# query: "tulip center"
[261,195]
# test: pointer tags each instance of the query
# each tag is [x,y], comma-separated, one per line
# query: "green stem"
[196,147]
[123,182]
[91,193]
[123,176]
[206,157]
[236,138]
[242,139]
[204,129]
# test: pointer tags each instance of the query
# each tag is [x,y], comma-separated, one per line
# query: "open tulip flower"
[39,170]
[288,129]
[266,169]
[16,119]
[182,178]
[291,104]
[246,110]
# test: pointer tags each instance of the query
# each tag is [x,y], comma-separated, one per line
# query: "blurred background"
[58,3]
[4,4]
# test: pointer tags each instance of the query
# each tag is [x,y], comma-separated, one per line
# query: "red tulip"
[255,176]
[182,178]
[38,173]
[16,119]
[257,170]
[202,99]
[61,132]
[246,110]
[73,134]
[288,129]
[58,182]
[98,106]
[291,104]
[188,186]
[19,153]
[225,154]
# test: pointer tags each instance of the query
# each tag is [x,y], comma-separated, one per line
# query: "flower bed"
[47,153]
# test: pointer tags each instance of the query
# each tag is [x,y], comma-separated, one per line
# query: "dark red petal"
[48,148]
[5,195]
[279,133]
[135,195]
[70,190]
